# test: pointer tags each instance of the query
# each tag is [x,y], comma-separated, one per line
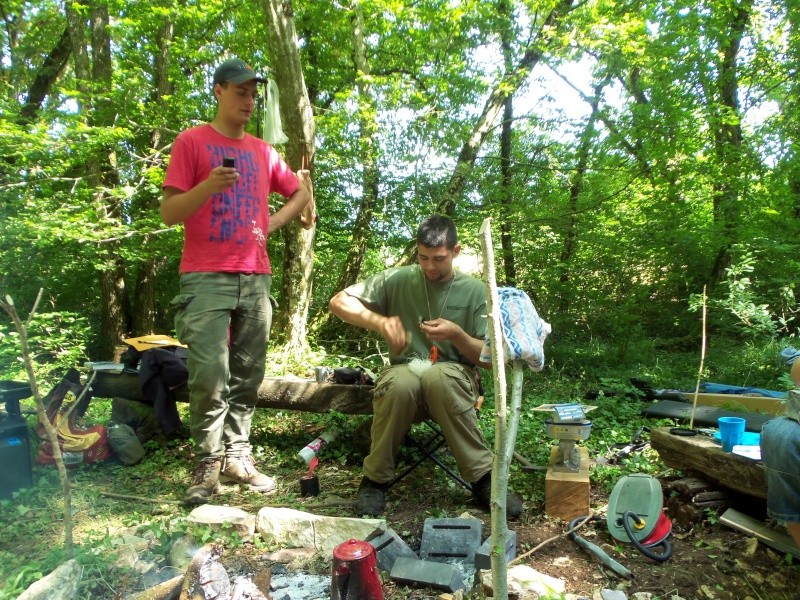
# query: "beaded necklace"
[434,354]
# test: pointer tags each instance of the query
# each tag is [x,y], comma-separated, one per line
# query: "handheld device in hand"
[228,162]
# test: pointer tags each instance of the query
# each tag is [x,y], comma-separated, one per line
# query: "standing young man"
[434,320]
[223,309]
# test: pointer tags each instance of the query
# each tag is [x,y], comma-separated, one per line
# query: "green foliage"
[19,581]
[57,342]
[616,216]
[750,318]
[613,251]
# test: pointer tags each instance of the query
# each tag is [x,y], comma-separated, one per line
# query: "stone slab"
[483,555]
[388,548]
[449,540]
[426,573]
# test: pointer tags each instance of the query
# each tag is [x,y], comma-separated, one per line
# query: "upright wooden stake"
[505,427]
[702,360]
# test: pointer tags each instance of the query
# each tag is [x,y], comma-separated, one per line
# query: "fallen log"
[274,392]
[701,455]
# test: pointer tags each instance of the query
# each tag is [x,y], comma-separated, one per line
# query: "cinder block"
[449,540]
[388,548]
[426,573]
[483,555]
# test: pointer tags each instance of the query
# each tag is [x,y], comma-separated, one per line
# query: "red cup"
[355,572]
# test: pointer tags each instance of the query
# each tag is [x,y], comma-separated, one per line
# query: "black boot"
[482,490]
[371,498]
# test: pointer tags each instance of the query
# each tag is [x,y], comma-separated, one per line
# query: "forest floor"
[709,560]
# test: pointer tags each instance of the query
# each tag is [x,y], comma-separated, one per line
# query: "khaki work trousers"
[225,320]
[446,393]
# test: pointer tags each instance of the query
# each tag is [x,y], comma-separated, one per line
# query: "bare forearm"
[470,348]
[350,310]
[177,206]
[293,207]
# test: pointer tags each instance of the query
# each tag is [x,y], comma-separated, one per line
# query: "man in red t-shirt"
[223,311]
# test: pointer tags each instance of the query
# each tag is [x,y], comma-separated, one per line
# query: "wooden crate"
[567,493]
[773,406]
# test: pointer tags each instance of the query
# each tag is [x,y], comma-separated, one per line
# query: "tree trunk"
[727,128]
[506,173]
[297,117]
[370,177]
[101,167]
[792,116]
[575,189]
[51,68]
[143,317]
[115,305]
[368,150]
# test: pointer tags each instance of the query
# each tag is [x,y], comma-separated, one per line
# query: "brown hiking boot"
[242,469]
[205,481]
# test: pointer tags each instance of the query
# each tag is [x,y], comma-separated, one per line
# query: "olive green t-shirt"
[401,292]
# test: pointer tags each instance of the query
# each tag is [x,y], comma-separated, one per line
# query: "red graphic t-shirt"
[229,232]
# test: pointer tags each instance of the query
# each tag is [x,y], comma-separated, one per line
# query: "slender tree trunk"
[575,189]
[504,425]
[94,76]
[791,114]
[370,177]
[368,151]
[728,140]
[506,177]
[143,314]
[297,117]
[115,306]
[51,68]
[507,196]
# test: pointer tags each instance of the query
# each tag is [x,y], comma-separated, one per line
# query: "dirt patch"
[709,561]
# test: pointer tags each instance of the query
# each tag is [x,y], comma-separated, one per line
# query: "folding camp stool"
[426,448]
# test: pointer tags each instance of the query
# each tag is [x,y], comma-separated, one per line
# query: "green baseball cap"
[234,70]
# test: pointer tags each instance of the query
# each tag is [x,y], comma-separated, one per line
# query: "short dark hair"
[437,230]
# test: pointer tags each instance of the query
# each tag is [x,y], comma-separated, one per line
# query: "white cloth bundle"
[273,129]
[524,331]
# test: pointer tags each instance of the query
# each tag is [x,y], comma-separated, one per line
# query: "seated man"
[780,451]
[434,320]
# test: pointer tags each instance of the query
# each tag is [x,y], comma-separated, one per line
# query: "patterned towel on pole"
[524,331]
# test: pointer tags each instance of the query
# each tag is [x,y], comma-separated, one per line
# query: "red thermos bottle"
[355,572]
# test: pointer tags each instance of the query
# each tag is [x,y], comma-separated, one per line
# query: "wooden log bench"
[274,392]
[701,455]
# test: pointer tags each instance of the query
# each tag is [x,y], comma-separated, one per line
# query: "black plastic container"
[15,449]
[15,456]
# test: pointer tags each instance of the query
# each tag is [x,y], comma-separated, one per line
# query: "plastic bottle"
[311,449]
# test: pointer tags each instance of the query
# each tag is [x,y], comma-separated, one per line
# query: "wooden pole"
[702,361]
[501,456]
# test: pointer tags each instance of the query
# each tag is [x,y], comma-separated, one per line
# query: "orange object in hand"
[434,354]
